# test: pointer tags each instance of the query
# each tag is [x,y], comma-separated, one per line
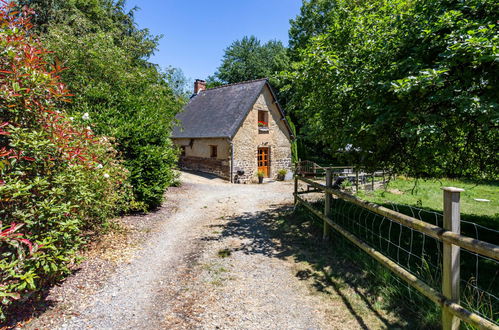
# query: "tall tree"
[411,85]
[315,18]
[57,179]
[125,96]
[248,59]
[178,82]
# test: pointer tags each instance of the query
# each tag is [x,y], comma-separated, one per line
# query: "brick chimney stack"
[199,85]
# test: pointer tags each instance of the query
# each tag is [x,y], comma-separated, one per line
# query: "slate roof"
[218,112]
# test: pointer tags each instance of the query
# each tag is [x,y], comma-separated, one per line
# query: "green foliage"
[178,83]
[314,19]
[212,81]
[126,96]
[282,172]
[147,167]
[428,194]
[294,142]
[248,59]
[57,179]
[406,85]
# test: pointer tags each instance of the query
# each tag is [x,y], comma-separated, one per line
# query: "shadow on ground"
[205,175]
[22,312]
[282,232]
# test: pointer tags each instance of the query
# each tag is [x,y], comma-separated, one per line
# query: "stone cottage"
[233,131]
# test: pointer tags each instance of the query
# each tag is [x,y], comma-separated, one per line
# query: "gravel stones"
[204,260]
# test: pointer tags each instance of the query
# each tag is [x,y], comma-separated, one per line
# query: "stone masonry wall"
[200,147]
[197,156]
[248,139]
[208,165]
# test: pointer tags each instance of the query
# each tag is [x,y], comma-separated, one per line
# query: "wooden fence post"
[451,255]
[327,204]
[356,180]
[372,182]
[296,183]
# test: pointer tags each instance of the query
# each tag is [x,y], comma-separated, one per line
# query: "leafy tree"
[403,84]
[178,83]
[126,96]
[212,81]
[314,19]
[57,178]
[248,59]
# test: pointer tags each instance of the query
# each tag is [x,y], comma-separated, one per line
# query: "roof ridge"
[238,83]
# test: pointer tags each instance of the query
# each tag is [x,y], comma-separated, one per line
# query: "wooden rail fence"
[355,174]
[449,235]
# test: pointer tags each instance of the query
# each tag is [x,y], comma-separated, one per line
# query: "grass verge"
[428,194]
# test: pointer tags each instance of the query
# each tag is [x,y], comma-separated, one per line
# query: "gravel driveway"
[209,264]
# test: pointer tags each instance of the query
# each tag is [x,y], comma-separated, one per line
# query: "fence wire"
[416,252]
[480,274]
[421,254]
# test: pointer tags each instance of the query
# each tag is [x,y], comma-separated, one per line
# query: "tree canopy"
[126,96]
[248,59]
[58,180]
[314,19]
[409,85]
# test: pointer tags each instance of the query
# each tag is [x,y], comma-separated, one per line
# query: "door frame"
[268,160]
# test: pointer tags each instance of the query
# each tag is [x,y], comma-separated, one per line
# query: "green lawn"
[428,194]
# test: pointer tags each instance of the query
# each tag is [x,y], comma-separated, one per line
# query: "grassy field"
[427,194]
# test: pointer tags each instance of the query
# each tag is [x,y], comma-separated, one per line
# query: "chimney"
[199,85]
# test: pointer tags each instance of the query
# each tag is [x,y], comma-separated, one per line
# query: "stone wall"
[197,156]
[249,138]
[200,147]
[209,165]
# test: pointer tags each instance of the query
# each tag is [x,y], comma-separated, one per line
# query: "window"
[182,151]
[213,152]
[263,121]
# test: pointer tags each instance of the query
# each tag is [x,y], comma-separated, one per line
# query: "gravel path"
[212,264]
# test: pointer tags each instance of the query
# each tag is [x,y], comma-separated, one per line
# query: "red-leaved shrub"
[57,178]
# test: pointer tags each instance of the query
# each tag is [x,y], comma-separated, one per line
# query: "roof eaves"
[280,110]
[201,137]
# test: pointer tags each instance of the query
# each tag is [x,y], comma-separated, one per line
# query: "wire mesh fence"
[480,274]
[416,252]
[421,254]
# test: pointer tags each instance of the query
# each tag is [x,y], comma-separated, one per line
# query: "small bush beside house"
[57,178]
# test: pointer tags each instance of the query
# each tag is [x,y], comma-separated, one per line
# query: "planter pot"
[280,177]
[260,179]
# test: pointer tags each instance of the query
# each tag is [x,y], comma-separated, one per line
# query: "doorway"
[264,161]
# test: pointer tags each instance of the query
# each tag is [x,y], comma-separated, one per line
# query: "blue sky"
[195,33]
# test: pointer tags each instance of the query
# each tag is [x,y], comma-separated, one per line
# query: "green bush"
[409,86]
[126,96]
[57,179]
[282,172]
[151,172]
